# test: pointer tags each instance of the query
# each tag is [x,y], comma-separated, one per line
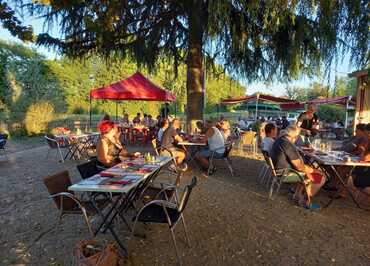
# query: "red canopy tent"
[135,88]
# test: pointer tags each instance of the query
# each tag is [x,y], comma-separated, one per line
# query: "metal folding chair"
[163,211]
[66,201]
[225,157]
[57,145]
[282,176]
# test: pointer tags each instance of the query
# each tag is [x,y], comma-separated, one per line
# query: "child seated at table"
[270,136]
[109,148]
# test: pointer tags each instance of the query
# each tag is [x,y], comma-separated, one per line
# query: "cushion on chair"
[155,214]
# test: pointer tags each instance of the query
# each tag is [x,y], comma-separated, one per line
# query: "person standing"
[308,123]
[165,111]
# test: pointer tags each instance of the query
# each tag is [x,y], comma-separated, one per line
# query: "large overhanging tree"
[257,40]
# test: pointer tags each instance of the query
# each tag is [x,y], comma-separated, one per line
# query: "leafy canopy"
[255,39]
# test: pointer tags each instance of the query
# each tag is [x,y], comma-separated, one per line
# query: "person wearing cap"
[109,148]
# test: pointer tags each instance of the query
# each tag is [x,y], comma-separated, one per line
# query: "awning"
[260,97]
[336,100]
[136,88]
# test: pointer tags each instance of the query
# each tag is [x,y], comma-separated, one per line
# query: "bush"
[37,118]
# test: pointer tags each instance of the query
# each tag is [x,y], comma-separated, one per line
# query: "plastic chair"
[66,201]
[165,212]
[248,141]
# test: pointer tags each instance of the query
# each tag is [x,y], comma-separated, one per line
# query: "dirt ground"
[230,219]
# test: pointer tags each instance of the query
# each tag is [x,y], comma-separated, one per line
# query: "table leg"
[108,226]
[341,180]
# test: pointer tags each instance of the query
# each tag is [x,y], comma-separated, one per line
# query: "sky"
[276,88]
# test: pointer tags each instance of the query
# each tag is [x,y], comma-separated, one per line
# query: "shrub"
[37,117]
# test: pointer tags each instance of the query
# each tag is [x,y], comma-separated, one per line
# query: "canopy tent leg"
[346,119]
[116,111]
[256,114]
[90,114]
[175,109]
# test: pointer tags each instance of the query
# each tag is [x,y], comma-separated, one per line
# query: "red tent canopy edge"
[136,87]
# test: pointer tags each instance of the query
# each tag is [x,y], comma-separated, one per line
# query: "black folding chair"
[163,211]
[3,139]
[225,157]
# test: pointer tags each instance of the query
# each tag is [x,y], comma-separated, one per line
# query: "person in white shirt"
[271,134]
[242,125]
[216,145]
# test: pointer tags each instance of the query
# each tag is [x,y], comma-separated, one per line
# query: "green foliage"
[28,79]
[331,113]
[38,116]
[342,87]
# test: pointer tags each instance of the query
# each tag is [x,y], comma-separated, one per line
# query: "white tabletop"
[188,143]
[334,158]
[98,183]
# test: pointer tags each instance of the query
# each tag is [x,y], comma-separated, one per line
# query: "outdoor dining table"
[334,159]
[79,144]
[126,179]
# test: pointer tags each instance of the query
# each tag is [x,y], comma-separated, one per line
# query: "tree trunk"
[195,73]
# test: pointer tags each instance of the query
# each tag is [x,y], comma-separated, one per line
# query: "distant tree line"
[28,79]
[342,87]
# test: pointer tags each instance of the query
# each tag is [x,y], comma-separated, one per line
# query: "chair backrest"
[155,147]
[2,143]
[228,148]
[88,168]
[269,162]
[58,183]
[186,195]
[52,142]
[248,138]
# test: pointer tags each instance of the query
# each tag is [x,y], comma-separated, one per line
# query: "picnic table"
[78,145]
[128,179]
[332,160]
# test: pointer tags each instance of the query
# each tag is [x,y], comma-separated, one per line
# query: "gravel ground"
[230,219]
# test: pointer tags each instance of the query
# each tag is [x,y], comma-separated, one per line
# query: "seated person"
[359,182]
[200,127]
[216,144]
[109,148]
[164,124]
[170,139]
[125,119]
[269,139]
[151,122]
[241,124]
[357,144]
[285,155]
[224,127]
[137,119]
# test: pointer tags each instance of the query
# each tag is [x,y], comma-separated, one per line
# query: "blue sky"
[276,88]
